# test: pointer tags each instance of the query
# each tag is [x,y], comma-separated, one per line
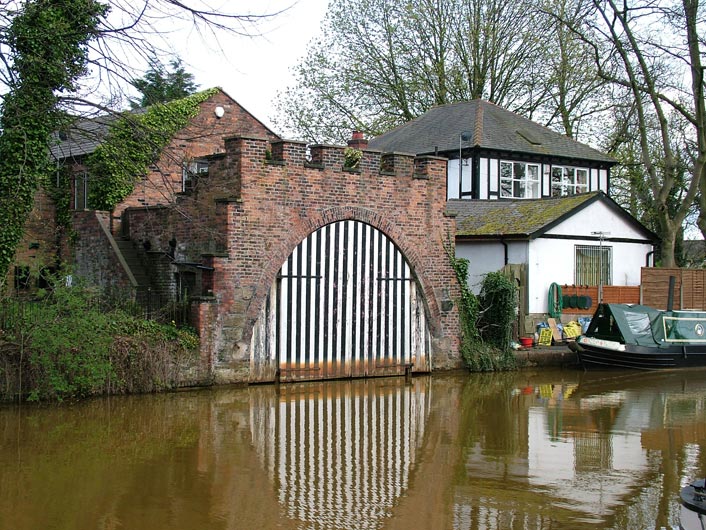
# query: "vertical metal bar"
[317,299]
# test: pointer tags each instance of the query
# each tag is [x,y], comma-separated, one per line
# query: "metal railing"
[146,304]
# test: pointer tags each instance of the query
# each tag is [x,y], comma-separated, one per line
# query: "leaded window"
[568,180]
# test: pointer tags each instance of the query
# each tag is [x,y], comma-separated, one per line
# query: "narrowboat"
[630,336]
[693,506]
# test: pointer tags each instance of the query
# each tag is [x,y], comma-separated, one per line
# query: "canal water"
[523,450]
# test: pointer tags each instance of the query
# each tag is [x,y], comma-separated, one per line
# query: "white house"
[525,195]
[564,240]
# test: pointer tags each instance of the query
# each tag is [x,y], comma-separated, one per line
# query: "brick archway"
[269,202]
[280,252]
[344,303]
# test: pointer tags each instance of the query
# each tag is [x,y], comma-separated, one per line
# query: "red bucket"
[526,342]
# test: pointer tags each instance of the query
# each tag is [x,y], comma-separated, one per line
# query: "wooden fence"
[689,288]
[612,294]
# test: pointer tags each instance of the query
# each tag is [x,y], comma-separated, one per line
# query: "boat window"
[639,324]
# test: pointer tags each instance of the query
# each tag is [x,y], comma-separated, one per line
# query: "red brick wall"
[38,247]
[265,208]
[204,136]
[95,259]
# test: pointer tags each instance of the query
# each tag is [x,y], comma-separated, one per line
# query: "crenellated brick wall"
[260,200]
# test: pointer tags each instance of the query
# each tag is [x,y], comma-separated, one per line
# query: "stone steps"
[132,258]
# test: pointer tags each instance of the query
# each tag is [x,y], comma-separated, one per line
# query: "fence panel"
[689,288]
[612,294]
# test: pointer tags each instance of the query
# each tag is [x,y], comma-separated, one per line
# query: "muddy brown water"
[524,450]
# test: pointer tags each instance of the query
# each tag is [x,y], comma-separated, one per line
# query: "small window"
[519,180]
[81,191]
[568,181]
[191,172]
[594,265]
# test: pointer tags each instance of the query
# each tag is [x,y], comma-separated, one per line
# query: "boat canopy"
[646,326]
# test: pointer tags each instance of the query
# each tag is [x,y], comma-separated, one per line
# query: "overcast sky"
[253,70]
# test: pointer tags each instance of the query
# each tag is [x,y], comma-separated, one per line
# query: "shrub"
[498,309]
[478,354]
[66,346]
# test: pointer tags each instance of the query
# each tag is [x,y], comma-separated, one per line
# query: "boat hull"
[634,357]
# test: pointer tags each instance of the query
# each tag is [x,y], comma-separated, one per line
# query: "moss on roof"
[513,217]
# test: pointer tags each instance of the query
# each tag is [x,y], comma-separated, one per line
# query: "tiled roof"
[82,137]
[522,218]
[489,126]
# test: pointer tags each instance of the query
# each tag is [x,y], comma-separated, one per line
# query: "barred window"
[594,263]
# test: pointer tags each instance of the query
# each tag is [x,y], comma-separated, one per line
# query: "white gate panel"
[345,304]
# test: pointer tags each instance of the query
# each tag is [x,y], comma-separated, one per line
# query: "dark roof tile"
[491,127]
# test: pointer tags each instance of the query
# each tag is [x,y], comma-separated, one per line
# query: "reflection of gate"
[340,454]
[345,304]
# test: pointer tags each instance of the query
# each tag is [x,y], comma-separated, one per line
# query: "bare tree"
[655,51]
[46,49]
[575,96]
[380,63]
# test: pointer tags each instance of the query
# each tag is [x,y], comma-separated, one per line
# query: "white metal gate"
[344,304]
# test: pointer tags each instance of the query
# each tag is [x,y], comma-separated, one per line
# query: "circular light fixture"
[219,112]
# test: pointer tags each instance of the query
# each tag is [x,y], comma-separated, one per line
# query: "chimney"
[357,141]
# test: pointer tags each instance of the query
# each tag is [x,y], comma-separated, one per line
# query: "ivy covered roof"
[525,218]
[486,126]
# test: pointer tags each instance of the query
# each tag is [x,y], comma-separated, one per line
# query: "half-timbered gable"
[527,200]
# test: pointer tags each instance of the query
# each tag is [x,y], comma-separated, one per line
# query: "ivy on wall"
[47,42]
[134,142]
[480,353]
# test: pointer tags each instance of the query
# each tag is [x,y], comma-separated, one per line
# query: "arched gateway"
[345,303]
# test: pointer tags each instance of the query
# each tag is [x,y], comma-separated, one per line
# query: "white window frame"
[567,180]
[520,182]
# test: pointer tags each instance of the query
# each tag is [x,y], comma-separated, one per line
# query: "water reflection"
[340,456]
[521,450]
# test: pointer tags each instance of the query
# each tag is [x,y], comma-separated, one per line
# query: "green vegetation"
[48,53]
[135,142]
[484,348]
[65,346]
[352,158]
[161,86]
[498,302]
